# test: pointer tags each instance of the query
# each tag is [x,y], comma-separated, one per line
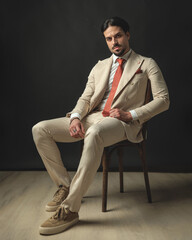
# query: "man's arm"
[76,128]
[160,94]
[159,103]
[83,103]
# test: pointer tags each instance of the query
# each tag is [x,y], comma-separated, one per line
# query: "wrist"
[71,120]
[129,116]
[134,115]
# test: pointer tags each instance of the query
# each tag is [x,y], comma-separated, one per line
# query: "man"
[111,109]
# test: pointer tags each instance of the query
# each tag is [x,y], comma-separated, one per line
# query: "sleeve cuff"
[134,115]
[75,115]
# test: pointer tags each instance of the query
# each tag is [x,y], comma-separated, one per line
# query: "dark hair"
[115,21]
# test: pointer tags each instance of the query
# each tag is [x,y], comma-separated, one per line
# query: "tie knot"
[120,61]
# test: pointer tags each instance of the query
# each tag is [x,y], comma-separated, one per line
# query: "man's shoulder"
[148,63]
[105,61]
[137,55]
[101,64]
[147,60]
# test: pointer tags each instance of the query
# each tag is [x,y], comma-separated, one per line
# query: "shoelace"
[60,213]
[60,193]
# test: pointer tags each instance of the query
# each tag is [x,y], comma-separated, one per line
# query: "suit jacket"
[130,94]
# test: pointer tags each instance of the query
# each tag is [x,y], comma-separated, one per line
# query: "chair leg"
[142,152]
[105,180]
[120,156]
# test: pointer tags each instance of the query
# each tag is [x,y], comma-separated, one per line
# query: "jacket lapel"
[133,63]
[102,81]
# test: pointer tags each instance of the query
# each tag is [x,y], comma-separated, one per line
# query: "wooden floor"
[23,196]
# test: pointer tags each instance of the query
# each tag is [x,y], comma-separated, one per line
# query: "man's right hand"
[76,129]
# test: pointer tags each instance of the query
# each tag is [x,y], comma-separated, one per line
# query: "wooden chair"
[118,147]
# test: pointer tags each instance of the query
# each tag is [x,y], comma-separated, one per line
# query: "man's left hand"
[121,115]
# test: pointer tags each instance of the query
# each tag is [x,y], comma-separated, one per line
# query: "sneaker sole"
[51,208]
[58,229]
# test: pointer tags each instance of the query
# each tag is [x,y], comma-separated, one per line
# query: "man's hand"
[76,129]
[121,115]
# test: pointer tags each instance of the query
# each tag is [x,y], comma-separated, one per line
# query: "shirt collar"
[125,56]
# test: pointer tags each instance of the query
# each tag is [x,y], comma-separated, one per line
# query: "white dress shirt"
[114,67]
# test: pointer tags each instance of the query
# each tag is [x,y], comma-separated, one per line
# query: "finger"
[81,135]
[112,110]
[113,114]
[75,135]
[70,131]
[73,131]
[79,132]
[72,134]
[82,129]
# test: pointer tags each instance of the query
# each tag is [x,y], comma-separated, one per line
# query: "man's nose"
[114,41]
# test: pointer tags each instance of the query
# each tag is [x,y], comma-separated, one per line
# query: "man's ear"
[128,35]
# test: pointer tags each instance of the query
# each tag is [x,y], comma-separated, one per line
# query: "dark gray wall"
[48,49]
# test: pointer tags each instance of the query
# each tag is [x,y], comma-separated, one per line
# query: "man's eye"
[108,39]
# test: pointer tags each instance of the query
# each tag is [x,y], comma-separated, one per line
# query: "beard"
[120,52]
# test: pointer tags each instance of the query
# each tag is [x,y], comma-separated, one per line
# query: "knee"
[38,131]
[94,132]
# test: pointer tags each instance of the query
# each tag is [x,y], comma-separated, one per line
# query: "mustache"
[116,45]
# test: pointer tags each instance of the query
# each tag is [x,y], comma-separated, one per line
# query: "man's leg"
[45,135]
[104,133]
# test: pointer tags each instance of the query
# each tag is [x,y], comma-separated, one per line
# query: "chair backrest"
[147,100]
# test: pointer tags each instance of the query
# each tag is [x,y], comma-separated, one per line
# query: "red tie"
[115,83]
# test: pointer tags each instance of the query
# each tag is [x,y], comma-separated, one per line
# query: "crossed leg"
[100,132]
[45,135]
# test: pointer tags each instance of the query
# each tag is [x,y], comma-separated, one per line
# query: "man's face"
[117,40]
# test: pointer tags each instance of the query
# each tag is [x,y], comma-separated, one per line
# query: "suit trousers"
[100,132]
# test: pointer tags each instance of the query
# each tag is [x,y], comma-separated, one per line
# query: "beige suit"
[130,93]
[101,131]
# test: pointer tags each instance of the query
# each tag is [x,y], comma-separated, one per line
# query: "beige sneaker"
[60,221]
[58,198]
